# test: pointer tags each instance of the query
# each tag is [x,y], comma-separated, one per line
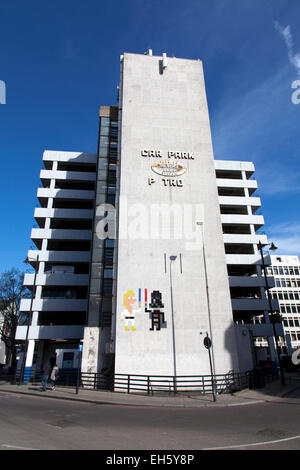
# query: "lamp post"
[208,339]
[272,247]
[173,258]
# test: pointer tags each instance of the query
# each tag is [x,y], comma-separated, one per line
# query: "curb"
[79,398]
[117,403]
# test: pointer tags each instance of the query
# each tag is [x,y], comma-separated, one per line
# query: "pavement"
[271,392]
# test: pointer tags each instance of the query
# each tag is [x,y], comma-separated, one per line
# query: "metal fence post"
[174,381]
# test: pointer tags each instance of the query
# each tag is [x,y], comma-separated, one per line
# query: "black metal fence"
[149,384]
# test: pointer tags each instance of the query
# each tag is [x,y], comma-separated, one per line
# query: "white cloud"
[286,237]
[247,124]
[289,42]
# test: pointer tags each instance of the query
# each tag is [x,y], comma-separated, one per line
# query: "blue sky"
[60,62]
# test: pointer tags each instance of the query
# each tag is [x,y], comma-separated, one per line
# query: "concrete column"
[29,360]
[30,352]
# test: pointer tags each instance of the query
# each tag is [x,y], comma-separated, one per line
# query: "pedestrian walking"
[45,374]
[54,376]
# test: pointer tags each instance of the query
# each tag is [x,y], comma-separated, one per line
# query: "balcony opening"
[241,270]
[245,293]
[242,229]
[61,318]
[72,268]
[251,191]
[80,167]
[239,249]
[62,203]
[248,317]
[48,164]
[226,209]
[45,182]
[71,224]
[78,185]
[229,174]
[64,292]
[68,245]
[239,192]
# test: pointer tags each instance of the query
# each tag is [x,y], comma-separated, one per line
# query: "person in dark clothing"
[45,374]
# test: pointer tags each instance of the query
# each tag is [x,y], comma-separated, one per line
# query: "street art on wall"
[129,314]
[155,309]
[157,315]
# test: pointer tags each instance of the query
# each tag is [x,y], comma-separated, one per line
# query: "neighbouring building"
[150,245]
[286,271]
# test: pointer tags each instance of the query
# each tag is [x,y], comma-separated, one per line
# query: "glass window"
[109,243]
[108,273]
[103,140]
[275,271]
[296,271]
[103,151]
[107,286]
[105,121]
[110,199]
[114,131]
[104,131]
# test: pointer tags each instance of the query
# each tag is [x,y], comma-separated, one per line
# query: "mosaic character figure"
[157,316]
[129,314]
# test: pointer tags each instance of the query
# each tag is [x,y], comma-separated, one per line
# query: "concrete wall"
[165,110]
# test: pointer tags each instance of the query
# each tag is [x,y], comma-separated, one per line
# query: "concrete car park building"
[150,245]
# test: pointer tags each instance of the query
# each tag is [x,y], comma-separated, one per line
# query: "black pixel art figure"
[157,316]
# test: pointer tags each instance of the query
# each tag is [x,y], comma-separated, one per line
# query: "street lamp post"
[172,259]
[208,339]
[272,247]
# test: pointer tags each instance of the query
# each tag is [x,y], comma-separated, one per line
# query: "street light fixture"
[273,248]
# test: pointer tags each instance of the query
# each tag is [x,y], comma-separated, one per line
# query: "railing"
[146,384]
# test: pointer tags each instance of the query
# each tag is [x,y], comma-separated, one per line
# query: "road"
[41,423]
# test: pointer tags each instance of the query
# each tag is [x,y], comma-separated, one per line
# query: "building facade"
[150,245]
[286,271]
